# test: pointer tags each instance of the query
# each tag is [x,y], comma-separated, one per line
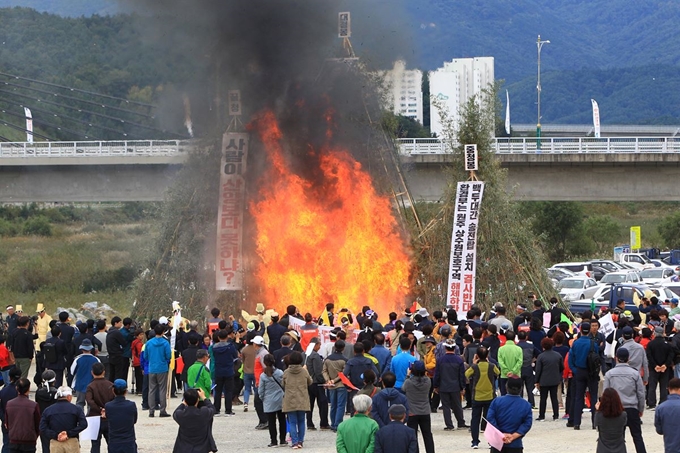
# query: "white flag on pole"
[29,125]
[507,112]
[596,118]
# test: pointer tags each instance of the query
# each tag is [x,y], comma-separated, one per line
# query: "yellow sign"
[635,243]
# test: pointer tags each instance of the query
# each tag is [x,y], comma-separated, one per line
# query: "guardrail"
[555,145]
[94,149]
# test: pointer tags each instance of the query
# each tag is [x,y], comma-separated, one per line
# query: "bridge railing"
[554,145]
[95,149]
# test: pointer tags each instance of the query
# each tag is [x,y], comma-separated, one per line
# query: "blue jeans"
[296,426]
[248,384]
[338,399]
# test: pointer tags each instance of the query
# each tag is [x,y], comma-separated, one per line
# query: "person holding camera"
[195,419]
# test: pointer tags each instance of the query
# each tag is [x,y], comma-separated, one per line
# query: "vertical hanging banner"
[635,242]
[596,118]
[463,262]
[507,112]
[229,266]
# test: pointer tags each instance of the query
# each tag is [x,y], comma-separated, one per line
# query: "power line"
[19,128]
[98,104]
[66,117]
[80,91]
[45,123]
[11,93]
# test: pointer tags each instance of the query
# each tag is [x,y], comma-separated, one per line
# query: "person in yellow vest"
[43,323]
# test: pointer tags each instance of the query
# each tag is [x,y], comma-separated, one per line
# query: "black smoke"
[274,51]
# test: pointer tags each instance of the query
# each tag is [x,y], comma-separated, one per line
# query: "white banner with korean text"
[463,262]
[229,265]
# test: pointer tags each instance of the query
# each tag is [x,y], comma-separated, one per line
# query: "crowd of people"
[376,385]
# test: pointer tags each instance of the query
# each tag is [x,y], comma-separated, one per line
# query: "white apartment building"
[453,85]
[405,94]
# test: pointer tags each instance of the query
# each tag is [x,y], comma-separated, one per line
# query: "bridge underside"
[86,183]
[574,181]
[532,177]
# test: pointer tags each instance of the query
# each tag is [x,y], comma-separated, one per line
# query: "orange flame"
[334,241]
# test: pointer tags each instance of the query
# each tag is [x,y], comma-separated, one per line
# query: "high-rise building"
[405,94]
[452,86]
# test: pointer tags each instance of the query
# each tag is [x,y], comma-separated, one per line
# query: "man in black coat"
[22,345]
[395,437]
[275,331]
[660,357]
[195,419]
[67,334]
[115,345]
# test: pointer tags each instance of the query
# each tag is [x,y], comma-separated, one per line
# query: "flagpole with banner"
[29,125]
[507,112]
[596,118]
[463,259]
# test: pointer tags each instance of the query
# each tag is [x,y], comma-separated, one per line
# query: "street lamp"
[539,45]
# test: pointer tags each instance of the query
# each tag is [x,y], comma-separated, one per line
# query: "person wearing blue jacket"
[511,414]
[578,363]
[386,398]
[383,354]
[157,354]
[223,354]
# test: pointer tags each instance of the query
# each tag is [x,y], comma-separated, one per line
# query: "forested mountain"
[69,8]
[622,53]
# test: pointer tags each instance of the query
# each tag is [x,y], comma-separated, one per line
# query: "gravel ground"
[237,433]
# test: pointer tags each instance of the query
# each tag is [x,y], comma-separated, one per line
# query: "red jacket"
[136,351]
[4,357]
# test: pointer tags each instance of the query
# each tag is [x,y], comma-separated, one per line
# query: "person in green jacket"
[198,375]
[510,359]
[357,434]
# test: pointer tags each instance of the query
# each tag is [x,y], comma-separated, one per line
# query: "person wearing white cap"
[62,422]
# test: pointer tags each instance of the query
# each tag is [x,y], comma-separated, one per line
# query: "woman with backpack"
[270,391]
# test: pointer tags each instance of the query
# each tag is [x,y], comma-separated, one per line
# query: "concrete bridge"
[560,168]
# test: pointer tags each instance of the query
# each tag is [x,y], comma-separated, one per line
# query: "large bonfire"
[324,237]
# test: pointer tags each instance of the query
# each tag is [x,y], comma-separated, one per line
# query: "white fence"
[556,145]
[95,149]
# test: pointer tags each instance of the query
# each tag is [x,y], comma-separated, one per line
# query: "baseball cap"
[585,327]
[658,330]
[622,354]
[86,345]
[418,365]
[627,332]
[446,330]
[120,384]
[250,326]
[258,340]
[674,301]
[429,340]
[162,320]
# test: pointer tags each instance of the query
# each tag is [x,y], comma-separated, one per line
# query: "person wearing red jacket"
[136,348]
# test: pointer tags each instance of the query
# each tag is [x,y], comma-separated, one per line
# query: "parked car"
[579,268]
[637,260]
[556,274]
[574,288]
[663,294]
[620,277]
[657,275]
[608,265]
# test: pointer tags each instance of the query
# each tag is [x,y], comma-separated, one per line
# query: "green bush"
[113,279]
[9,228]
[37,226]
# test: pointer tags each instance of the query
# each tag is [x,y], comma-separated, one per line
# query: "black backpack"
[593,362]
[49,351]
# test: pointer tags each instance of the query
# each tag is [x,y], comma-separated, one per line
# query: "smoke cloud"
[271,50]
